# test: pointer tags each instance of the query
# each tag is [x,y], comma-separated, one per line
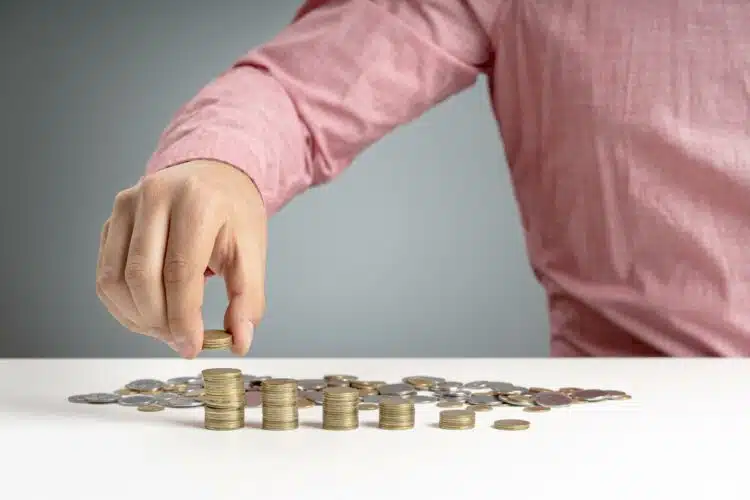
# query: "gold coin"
[481,408]
[368,406]
[536,409]
[537,390]
[344,378]
[124,392]
[216,339]
[511,424]
[449,404]
[150,408]
[367,391]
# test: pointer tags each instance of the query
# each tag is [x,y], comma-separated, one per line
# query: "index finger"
[190,241]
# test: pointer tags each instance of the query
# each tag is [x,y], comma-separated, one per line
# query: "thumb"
[244,280]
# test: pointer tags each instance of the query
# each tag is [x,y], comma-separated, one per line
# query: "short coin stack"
[279,400]
[396,414]
[216,339]
[340,408]
[224,399]
[457,420]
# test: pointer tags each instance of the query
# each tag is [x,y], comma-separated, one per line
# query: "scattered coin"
[253,399]
[78,398]
[552,399]
[304,403]
[536,409]
[99,398]
[312,384]
[182,402]
[216,339]
[480,408]
[345,378]
[511,425]
[420,399]
[145,385]
[185,381]
[396,389]
[150,408]
[136,400]
[481,399]
[450,404]
[368,406]
[590,395]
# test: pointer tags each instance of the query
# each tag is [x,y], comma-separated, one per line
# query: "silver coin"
[253,399]
[453,394]
[193,392]
[102,398]
[477,384]
[314,396]
[186,381]
[502,387]
[374,399]
[419,399]
[396,390]
[145,385]
[78,398]
[139,400]
[312,384]
[481,399]
[552,399]
[447,387]
[166,396]
[591,395]
[183,402]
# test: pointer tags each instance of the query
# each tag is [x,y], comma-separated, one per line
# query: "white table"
[684,435]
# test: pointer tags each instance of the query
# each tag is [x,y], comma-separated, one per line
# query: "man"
[626,128]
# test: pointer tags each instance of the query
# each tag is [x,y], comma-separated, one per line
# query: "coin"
[137,400]
[185,381]
[304,403]
[536,390]
[480,408]
[346,378]
[315,396]
[511,425]
[449,404]
[279,398]
[477,384]
[78,398]
[457,419]
[591,395]
[340,408]
[481,399]
[552,399]
[145,385]
[419,399]
[252,399]
[396,389]
[101,398]
[182,402]
[216,339]
[396,414]
[367,406]
[536,409]
[150,408]
[503,387]
[312,384]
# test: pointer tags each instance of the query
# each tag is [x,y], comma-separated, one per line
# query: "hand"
[165,234]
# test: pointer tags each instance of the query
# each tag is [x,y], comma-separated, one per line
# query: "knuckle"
[137,273]
[123,200]
[152,188]
[106,278]
[177,270]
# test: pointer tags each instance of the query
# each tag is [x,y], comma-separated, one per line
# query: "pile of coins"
[224,399]
[396,414]
[340,408]
[457,420]
[216,339]
[279,401]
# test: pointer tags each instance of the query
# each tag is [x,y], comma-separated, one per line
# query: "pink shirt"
[626,126]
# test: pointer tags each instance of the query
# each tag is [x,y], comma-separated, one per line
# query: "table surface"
[679,437]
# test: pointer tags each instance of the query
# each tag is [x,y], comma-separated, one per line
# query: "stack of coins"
[216,339]
[457,420]
[279,400]
[340,409]
[224,399]
[396,414]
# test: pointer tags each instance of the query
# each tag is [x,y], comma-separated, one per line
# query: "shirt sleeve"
[296,111]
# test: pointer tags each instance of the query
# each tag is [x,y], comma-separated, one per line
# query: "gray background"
[436,267]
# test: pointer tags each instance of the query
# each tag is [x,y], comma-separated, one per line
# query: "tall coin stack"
[224,399]
[279,400]
[396,414]
[340,409]
[457,420]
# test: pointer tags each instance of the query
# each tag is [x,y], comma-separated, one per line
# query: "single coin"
[480,408]
[422,380]
[396,389]
[536,409]
[448,387]
[150,408]
[347,378]
[137,400]
[253,399]
[78,399]
[177,381]
[516,400]
[503,387]
[145,385]
[216,339]
[591,395]
[419,399]
[368,391]
[477,384]
[449,404]
[481,399]
[314,396]
[183,402]
[511,424]
[124,392]
[552,399]
[312,384]
[368,406]
[338,382]
[102,398]
[537,390]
